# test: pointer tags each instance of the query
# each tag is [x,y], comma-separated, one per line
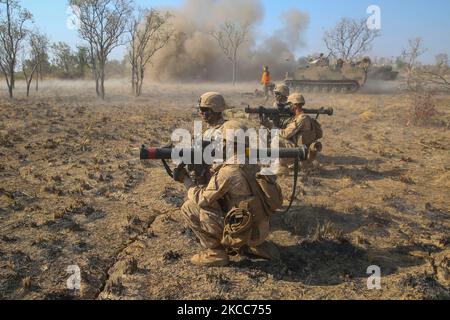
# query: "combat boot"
[267,250]
[211,258]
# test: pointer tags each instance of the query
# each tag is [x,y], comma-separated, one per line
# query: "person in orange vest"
[265,81]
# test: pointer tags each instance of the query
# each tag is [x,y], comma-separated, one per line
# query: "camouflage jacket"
[299,130]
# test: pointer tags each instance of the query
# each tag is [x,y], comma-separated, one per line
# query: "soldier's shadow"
[345,160]
[326,261]
[357,168]
[359,173]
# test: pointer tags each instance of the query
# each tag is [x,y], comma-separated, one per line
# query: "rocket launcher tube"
[300,153]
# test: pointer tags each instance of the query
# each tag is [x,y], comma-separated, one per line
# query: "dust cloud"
[193,54]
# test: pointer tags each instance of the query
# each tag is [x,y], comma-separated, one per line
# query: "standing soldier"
[228,213]
[265,81]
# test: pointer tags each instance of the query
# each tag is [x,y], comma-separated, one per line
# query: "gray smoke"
[295,25]
[194,55]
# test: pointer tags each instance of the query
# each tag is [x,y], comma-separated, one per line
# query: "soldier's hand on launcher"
[267,123]
[180,173]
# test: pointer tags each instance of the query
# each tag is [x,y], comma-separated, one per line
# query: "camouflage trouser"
[207,224]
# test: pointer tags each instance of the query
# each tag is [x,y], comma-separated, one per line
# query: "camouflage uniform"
[215,102]
[284,91]
[206,207]
[213,131]
[281,102]
[299,129]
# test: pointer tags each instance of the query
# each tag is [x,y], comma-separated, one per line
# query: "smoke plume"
[194,55]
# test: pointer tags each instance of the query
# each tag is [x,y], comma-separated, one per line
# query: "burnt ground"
[73,192]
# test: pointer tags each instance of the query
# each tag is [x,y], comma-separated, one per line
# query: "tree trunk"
[11,85]
[28,87]
[37,82]
[234,72]
[133,75]
[97,86]
[102,80]
[140,87]
[12,81]
[135,82]
[10,89]
[141,81]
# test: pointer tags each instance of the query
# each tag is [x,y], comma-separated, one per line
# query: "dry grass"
[327,231]
[26,283]
[423,108]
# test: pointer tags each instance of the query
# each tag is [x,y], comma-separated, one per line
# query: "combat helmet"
[213,100]
[283,90]
[296,98]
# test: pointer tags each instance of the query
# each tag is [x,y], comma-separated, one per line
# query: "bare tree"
[349,39]
[102,23]
[435,76]
[420,83]
[410,58]
[150,32]
[37,49]
[41,44]
[230,36]
[13,20]
[442,60]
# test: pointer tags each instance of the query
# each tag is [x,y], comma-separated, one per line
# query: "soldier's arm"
[217,188]
[291,130]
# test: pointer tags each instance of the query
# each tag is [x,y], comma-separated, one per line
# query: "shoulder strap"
[298,129]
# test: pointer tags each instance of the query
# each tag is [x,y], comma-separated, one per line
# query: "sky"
[400,20]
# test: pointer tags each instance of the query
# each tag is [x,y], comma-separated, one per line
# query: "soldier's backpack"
[267,189]
[248,223]
[271,191]
[317,128]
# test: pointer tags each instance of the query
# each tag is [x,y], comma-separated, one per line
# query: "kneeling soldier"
[229,214]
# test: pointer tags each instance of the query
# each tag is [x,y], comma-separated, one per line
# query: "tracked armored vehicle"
[320,76]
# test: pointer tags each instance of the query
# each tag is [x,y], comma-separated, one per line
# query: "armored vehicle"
[320,76]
